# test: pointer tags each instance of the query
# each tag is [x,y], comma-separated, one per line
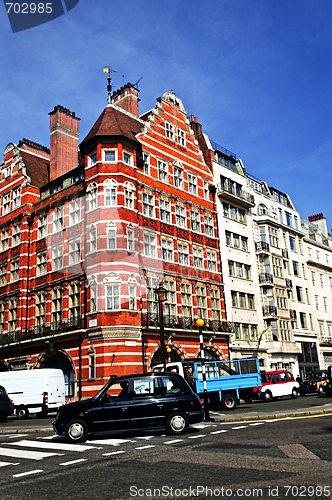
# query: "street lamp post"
[160,292]
[200,324]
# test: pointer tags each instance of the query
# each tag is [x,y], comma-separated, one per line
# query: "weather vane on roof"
[109,72]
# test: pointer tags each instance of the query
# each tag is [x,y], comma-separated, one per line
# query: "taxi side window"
[171,386]
[283,377]
[275,378]
[143,387]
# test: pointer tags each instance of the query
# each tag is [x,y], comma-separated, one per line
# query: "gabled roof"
[115,122]
[37,168]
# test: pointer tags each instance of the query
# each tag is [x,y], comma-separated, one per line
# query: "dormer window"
[93,159]
[109,155]
[127,158]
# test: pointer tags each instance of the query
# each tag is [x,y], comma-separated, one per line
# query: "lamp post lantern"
[161,292]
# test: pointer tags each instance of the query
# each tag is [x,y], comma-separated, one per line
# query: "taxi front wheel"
[76,431]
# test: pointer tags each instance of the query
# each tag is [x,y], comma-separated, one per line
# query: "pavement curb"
[223,418]
[270,416]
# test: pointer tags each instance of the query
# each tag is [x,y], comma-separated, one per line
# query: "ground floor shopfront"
[88,359]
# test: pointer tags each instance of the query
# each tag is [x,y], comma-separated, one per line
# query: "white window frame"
[75,211]
[110,193]
[150,244]
[107,151]
[74,251]
[127,158]
[41,263]
[169,131]
[57,258]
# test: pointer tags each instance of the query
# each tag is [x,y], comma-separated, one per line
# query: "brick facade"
[87,237]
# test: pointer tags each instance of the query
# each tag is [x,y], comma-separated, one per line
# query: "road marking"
[4,464]
[37,471]
[145,447]
[258,423]
[51,446]
[146,438]
[196,437]
[111,441]
[32,455]
[240,427]
[219,432]
[12,436]
[113,453]
[174,441]
[75,461]
[297,450]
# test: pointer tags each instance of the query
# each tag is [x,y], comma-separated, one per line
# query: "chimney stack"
[126,98]
[64,129]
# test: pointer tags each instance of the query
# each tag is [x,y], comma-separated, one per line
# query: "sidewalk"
[241,416]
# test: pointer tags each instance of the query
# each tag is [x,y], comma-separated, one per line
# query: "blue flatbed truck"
[226,380]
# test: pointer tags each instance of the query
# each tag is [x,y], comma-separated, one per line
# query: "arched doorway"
[171,356]
[210,355]
[60,360]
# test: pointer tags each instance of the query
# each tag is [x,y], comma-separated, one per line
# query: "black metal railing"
[44,330]
[186,323]
[262,246]
[265,278]
[270,311]
[243,195]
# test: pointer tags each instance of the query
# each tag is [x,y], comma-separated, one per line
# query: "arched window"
[93,238]
[92,195]
[112,291]
[129,194]
[262,209]
[111,235]
[132,286]
[110,193]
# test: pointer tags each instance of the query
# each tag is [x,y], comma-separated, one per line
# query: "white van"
[34,391]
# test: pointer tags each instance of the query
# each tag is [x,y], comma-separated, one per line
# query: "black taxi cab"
[132,403]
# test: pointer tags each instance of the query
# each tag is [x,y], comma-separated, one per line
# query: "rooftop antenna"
[109,72]
[136,84]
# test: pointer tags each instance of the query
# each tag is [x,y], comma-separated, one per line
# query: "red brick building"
[86,238]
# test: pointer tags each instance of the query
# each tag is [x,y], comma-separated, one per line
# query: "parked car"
[132,403]
[6,405]
[313,382]
[327,387]
[275,384]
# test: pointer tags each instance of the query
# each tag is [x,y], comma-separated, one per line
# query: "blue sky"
[256,73]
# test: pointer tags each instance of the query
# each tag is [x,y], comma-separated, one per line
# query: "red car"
[275,384]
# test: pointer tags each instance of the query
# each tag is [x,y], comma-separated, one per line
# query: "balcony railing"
[325,341]
[265,278]
[45,330]
[262,246]
[270,311]
[231,192]
[187,323]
